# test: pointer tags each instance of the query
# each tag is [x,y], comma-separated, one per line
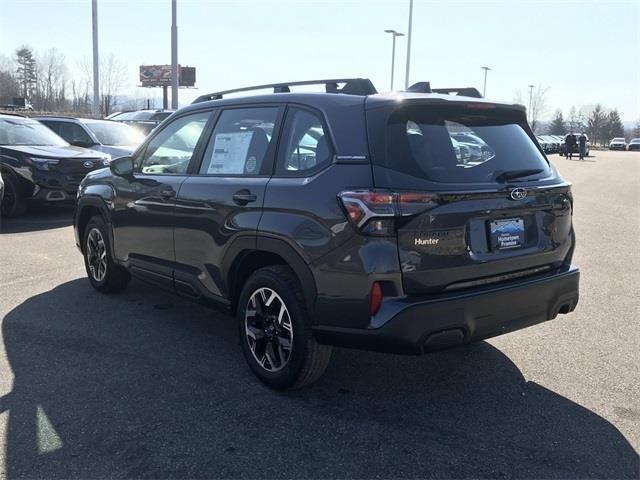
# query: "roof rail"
[462,91]
[352,86]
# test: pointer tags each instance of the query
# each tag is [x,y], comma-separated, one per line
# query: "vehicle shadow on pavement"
[142,384]
[37,219]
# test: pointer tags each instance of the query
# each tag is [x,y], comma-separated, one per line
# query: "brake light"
[481,106]
[374,211]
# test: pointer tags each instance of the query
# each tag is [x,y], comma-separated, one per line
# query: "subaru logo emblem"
[88,164]
[518,194]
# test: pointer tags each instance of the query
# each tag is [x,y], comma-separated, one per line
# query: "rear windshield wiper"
[512,174]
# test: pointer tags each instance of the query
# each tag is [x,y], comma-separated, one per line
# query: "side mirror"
[123,166]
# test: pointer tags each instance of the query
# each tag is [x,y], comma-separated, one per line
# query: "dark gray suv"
[342,218]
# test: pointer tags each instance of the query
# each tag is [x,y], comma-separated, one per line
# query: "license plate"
[507,233]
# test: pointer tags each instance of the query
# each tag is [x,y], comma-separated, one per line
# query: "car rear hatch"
[464,219]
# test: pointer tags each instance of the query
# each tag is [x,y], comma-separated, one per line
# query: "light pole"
[406,73]
[174,56]
[484,89]
[394,34]
[95,108]
[530,98]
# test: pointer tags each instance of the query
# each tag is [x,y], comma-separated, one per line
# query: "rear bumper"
[454,319]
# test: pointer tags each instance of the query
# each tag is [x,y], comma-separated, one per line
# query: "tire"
[13,205]
[104,275]
[306,360]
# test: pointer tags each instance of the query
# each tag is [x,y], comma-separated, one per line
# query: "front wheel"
[104,274]
[275,331]
[12,204]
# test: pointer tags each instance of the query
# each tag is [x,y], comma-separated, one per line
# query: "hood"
[55,152]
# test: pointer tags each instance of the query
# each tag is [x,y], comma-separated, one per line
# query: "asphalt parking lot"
[143,384]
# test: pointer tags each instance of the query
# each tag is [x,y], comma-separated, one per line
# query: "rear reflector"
[375,298]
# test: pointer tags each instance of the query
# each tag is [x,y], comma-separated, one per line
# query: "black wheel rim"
[96,253]
[268,329]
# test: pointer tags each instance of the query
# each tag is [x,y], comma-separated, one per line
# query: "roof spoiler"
[352,86]
[425,87]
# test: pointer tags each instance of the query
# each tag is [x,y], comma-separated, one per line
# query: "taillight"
[374,211]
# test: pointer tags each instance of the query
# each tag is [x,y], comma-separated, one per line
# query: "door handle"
[244,196]
[167,193]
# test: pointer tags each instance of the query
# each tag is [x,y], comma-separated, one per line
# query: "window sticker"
[230,152]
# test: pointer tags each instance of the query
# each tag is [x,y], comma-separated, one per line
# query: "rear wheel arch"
[268,252]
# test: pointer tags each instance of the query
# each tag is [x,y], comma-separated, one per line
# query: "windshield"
[618,139]
[457,145]
[115,134]
[23,131]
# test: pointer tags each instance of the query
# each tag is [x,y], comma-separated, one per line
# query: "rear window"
[458,145]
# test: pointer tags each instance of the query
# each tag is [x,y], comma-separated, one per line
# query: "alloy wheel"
[268,329]
[96,253]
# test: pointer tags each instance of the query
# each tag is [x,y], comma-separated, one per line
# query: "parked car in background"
[634,144]
[114,115]
[553,142]
[116,139]
[143,120]
[344,218]
[544,143]
[40,167]
[618,143]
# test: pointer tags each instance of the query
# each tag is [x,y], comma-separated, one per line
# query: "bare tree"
[113,79]
[536,104]
[52,81]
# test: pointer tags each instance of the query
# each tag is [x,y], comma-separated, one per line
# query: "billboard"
[160,76]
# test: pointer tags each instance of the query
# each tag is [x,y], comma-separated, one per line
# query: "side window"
[71,132]
[171,150]
[305,145]
[240,142]
[55,126]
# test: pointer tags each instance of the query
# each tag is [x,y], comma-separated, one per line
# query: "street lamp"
[95,108]
[406,73]
[174,56]
[394,34]
[484,89]
[530,98]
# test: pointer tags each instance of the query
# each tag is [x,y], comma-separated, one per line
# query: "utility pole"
[96,60]
[530,98]
[484,89]
[174,56]
[394,34]
[406,73]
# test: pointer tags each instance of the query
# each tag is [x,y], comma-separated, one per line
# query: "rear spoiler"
[425,87]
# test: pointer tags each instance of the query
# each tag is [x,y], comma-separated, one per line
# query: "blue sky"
[583,51]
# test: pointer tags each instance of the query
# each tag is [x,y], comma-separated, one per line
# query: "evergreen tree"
[26,71]
[613,125]
[636,130]
[596,125]
[557,126]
